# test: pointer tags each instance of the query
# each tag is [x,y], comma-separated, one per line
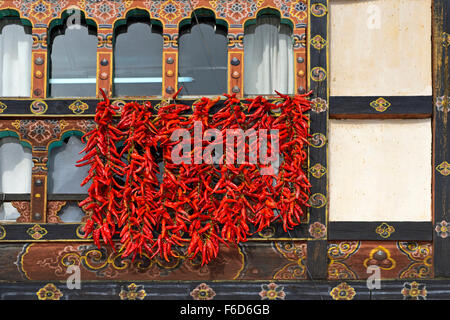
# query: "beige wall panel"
[380,170]
[380,47]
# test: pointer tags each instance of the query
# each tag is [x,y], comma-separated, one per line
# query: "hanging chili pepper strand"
[232,210]
[140,181]
[292,183]
[172,213]
[105,166]
[198,204]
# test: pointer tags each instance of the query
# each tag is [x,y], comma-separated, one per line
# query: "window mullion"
[105,61]
[170,63]
[39,63]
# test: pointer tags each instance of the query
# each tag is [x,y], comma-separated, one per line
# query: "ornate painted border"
[441,133]
[318,155]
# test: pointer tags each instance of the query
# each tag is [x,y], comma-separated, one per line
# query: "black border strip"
[441,132]
[41,232]
[421,106]
[401,289]
[23,232]
[318,79]
[402,231]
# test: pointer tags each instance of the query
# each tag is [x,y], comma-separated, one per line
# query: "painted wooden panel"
[380,170]
[380,47]
[280,260]
[352,260]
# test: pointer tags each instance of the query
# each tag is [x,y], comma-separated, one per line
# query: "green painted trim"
[269,12]
[202,13]
[11,13]
[59,143]
[138,13]
[64,15]
[8,133]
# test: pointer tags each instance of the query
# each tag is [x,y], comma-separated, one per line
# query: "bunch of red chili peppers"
[157,207]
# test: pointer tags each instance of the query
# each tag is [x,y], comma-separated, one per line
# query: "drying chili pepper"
[165,209]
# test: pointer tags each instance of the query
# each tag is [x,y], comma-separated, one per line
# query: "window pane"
[268,57]
[15,166]
[15,61]
[74,63]
[71,213]
[203,61]
[138,61]
[8,212]
[63,175]
[380,170]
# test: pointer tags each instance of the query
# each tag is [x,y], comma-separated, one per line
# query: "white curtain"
[15,171]
[15,62]
[63,175]
[268,57]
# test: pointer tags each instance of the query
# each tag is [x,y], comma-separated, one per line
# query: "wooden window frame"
[311,72]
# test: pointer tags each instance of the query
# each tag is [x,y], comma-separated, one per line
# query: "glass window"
[15,58]
[268,57]
[73,61]
[71,213]
[15,166]
[15,174]
[63,175]
[203,50]
[138,59]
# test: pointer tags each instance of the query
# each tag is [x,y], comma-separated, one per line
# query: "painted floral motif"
[272,291]
[380,104]
[49,292]
[317,230]
[318,170]
[442,229]
[132,292]
[318,42]
[3,107]
[203,292]
[442,103]
[78,107]
[40,10]
[36,232]
[105,10]
[343,292]
[39,131]
[236,9]
[298,10]
[385,230]
[319,105]
[445,39]
[414,291]
[170,10]
[444,168]
[86,125]
[292,8]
